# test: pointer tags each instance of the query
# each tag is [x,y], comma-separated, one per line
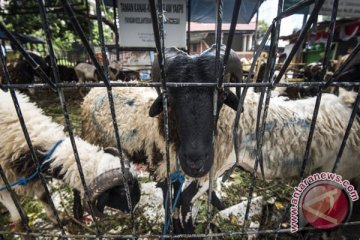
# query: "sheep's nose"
[195,155]
[196,163]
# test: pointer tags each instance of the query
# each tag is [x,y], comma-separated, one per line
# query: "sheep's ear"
[231,100]
[157,107]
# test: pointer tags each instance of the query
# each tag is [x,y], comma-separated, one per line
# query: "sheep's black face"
[191,108]
[116,197]
[194,123]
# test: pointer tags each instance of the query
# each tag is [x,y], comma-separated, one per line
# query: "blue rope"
[23,181]
[174,177]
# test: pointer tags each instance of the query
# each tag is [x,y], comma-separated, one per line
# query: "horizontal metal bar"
[174,84]
[178,236]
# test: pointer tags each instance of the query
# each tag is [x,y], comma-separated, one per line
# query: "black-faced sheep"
[191,119]
[192,107]
[142,137]
[101,169]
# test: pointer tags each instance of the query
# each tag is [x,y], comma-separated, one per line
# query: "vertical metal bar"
[76,25]
[87,6]
[117,46]
[318,97]
[218,66]
[269,72]
[24,219]
[256,25]
[102,40]
[188,35]
[113,114]
[261,118]
[79,30]
[233,24]
[158,27]
[158,41]
[236,132]
[165,108]
[260,132]
[319,94]
[64,107]
[301,37]
[354,112]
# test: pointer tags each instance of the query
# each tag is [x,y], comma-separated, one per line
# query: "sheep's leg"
[78,209]
[46,201]
[186,207]
[175,219]
[15,218]
[216,201]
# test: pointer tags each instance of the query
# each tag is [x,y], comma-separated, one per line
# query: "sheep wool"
[138,131]
[286,133]
[16,160]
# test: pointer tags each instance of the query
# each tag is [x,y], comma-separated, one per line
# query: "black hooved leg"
[186,207]
[78,209]
[216,201]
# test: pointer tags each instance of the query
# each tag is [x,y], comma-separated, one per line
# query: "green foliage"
[24,17]
[262,28]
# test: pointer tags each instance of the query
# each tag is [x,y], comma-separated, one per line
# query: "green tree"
[23,16]
[261,30]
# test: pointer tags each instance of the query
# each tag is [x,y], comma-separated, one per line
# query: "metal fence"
[271,81]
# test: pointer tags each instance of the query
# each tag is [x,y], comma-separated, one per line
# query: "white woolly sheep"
[115,68]
[286,133]
[101,169]
[86,72]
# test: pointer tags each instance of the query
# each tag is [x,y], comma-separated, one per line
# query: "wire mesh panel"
[192,144]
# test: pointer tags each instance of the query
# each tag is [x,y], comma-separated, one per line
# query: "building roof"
[205,27]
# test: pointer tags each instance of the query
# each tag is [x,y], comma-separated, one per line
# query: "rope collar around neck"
[23,181]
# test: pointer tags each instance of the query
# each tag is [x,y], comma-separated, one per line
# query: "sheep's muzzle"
[108,189]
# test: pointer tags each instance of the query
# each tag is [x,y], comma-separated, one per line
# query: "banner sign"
[346,8]
[135,23]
